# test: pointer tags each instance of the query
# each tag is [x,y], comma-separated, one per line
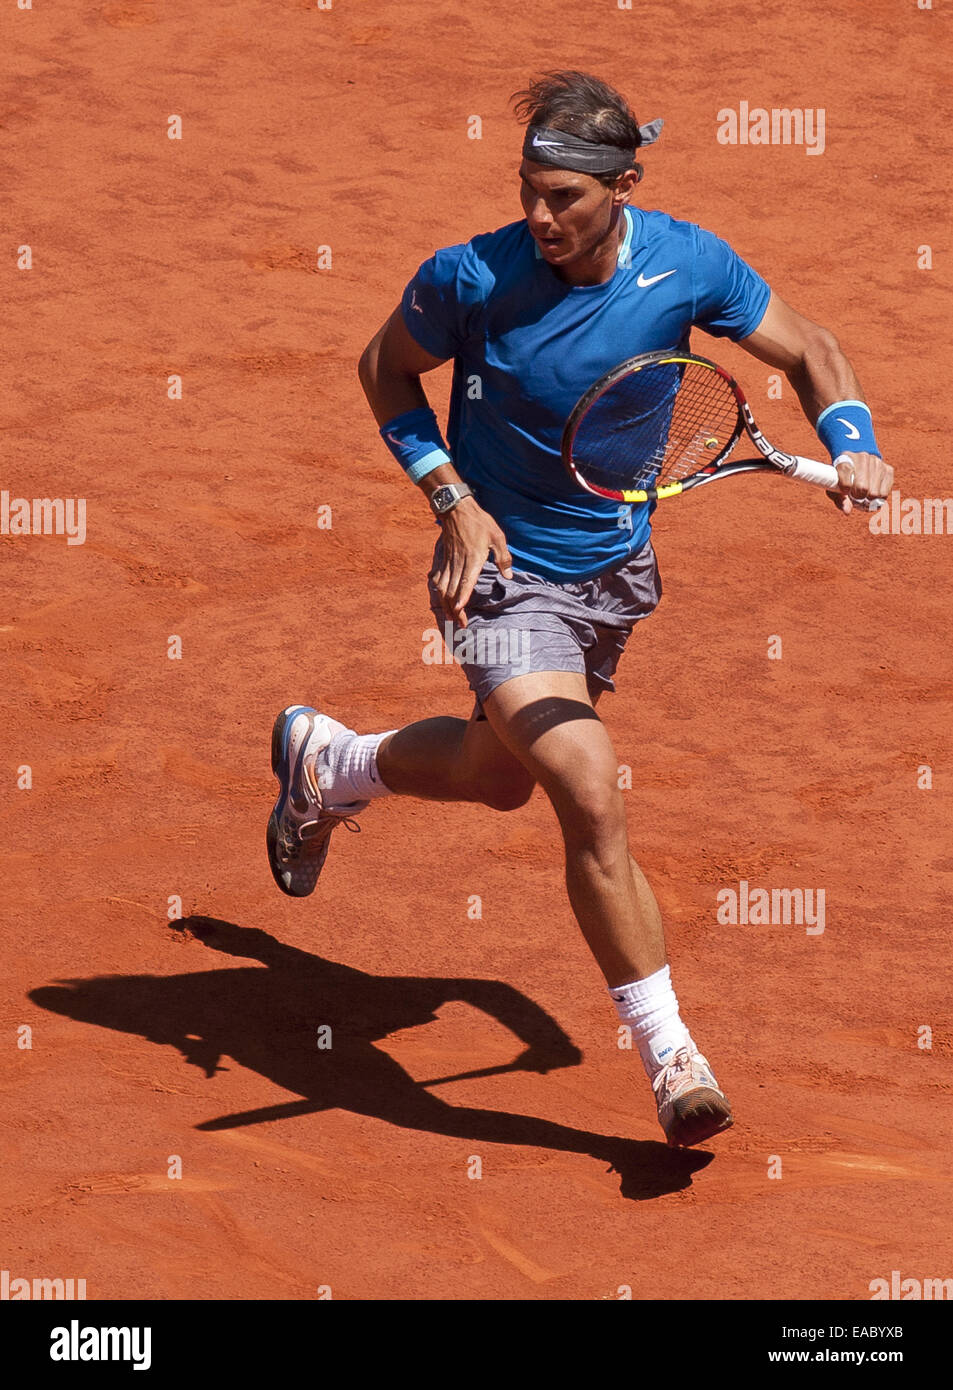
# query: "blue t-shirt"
[525,346]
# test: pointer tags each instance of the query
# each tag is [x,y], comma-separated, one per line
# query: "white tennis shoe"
[301,824]
[691,1107]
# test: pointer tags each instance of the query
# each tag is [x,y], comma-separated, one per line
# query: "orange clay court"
[153,1039]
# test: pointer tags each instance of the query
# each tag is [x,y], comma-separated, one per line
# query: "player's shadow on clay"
[268,1021]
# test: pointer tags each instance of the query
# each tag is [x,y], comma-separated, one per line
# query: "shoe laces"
[348,822]
[674,1070]
[297,836]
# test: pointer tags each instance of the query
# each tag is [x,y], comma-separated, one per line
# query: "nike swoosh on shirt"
[643,284]
[852,431]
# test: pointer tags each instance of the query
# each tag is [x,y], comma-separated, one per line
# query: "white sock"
[349,768]
[650,1009]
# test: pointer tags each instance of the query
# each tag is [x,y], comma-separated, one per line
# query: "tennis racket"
[663,423]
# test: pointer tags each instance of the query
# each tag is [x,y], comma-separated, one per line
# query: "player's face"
[569,214]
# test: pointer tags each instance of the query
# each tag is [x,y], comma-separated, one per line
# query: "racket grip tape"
[825,475]
[813,471]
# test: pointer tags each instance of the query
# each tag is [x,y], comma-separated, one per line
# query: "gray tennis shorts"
[528,623]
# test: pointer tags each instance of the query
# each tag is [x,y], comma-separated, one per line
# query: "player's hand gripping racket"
[665,422]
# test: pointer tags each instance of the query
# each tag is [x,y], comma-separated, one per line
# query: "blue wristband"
[846,427]
[414,440]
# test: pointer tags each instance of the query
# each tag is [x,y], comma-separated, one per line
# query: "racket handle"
[813,471]
[825,475]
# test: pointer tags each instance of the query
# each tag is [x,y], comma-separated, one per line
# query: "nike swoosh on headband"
[563,149]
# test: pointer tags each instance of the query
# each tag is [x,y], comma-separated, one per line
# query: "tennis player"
[536,583]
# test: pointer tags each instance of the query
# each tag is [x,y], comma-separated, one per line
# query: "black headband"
[544,145]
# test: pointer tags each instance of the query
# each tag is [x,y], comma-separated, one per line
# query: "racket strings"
[658,424]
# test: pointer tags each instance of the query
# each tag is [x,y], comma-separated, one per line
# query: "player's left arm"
[811,359]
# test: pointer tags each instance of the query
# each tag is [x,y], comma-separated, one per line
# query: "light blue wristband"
[846,427]
[415,441]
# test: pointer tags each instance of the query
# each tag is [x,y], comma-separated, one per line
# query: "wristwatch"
[444,499]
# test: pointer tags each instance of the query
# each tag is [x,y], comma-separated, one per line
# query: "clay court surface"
[304,1168]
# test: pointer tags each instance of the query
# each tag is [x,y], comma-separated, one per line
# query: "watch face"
[443,497]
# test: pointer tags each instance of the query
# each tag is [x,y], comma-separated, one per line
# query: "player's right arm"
[390,370]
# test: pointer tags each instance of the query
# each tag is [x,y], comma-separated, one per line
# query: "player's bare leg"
[547,721]
[445,759]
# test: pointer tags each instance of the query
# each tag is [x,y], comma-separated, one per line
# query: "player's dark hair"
[581,104]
